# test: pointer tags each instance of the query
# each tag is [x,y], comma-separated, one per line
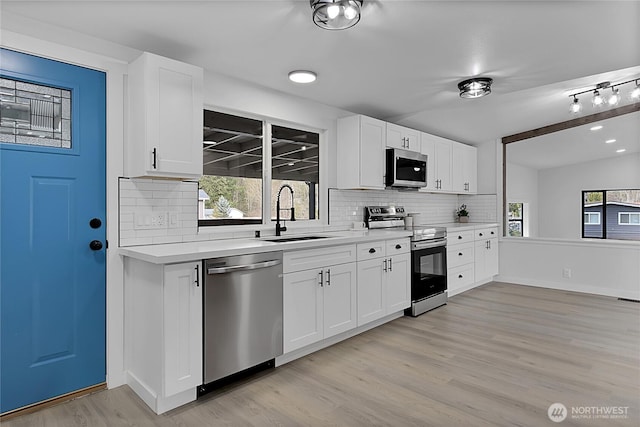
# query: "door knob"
[95,245]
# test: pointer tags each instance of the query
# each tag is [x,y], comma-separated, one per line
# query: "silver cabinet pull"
[328,277]
[384,263]
[390,265]
[197,281]
[321,281]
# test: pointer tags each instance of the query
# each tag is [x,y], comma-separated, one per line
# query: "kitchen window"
[611,214]
[246,158]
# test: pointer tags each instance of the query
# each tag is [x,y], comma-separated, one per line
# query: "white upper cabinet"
[402,137]
[439,158]
[165,119]
[360,152]
[465,168]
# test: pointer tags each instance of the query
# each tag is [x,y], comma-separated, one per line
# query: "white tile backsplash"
[144,198]
[141,198]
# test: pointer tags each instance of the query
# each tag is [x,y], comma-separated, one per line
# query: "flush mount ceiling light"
[599,99]
[336,14]
[302,76]
[475,87]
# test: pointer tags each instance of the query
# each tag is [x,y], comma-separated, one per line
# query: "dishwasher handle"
[243,267]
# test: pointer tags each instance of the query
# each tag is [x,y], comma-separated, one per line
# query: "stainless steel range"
[428,257]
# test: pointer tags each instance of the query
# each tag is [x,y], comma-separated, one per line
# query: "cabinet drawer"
[371,250]
[455,237]
[317,258]
[458,255]
[398,246]
[486,233]
[459,277]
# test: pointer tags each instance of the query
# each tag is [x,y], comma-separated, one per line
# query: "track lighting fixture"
[575,106]
[599,100]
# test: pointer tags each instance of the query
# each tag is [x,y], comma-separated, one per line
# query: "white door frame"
[115,70]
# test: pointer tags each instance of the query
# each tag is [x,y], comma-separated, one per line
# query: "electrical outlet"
[566,273]
[151,220]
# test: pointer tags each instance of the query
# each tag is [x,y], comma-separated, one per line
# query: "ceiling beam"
[614,112]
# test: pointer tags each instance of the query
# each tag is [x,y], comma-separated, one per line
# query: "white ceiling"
[401,63]
[579,144]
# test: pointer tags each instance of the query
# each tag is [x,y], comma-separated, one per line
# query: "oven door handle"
[430,244]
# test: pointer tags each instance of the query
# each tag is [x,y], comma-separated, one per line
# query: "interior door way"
[52,229]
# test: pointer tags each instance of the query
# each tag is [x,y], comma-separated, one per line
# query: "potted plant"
[463,213]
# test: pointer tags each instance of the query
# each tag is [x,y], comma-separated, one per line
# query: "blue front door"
[52,229]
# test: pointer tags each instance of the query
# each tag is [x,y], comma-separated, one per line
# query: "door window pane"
[32,114]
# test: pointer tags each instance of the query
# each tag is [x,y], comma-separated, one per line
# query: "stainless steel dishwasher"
[242,313]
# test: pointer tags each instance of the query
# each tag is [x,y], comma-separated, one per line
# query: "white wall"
[523,188]
[605,268]
[487,171]
[560,191]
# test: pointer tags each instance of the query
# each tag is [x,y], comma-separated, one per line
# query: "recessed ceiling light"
[290,164]
[610,141]
[302,76]
[304,147]
[596,127]
[622,150]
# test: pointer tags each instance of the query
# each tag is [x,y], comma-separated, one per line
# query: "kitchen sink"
[294,238]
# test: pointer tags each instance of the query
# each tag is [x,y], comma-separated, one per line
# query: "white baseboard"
[573,287]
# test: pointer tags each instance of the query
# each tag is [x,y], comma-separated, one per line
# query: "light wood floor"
[497,355]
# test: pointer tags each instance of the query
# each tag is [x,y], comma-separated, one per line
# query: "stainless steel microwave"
[405,168]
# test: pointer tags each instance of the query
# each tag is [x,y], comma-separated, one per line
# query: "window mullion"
[266,173]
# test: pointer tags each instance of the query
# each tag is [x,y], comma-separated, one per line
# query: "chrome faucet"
[280,228]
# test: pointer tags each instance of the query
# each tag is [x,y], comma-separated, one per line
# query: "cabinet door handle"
[372,251]
[459,237]
[384,263]
[459,253]
[459,276]
[197,281]
[489,244]
[321,282]
[154,164]
[480,234]
[390,265]
[492,233]
[328,277]
[486,245]
[398,246]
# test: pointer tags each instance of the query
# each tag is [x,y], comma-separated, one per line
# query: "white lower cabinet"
[319,302]
[486,254]
[472,256]
[163,332]
[384,279]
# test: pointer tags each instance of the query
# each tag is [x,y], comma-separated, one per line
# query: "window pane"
[623,214]
[231,188]
[295,162]
[515,228]
[33,114]
[515,210]
[592,209]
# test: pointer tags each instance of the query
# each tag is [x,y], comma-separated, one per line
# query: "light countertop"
[193,251]
[462,226]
